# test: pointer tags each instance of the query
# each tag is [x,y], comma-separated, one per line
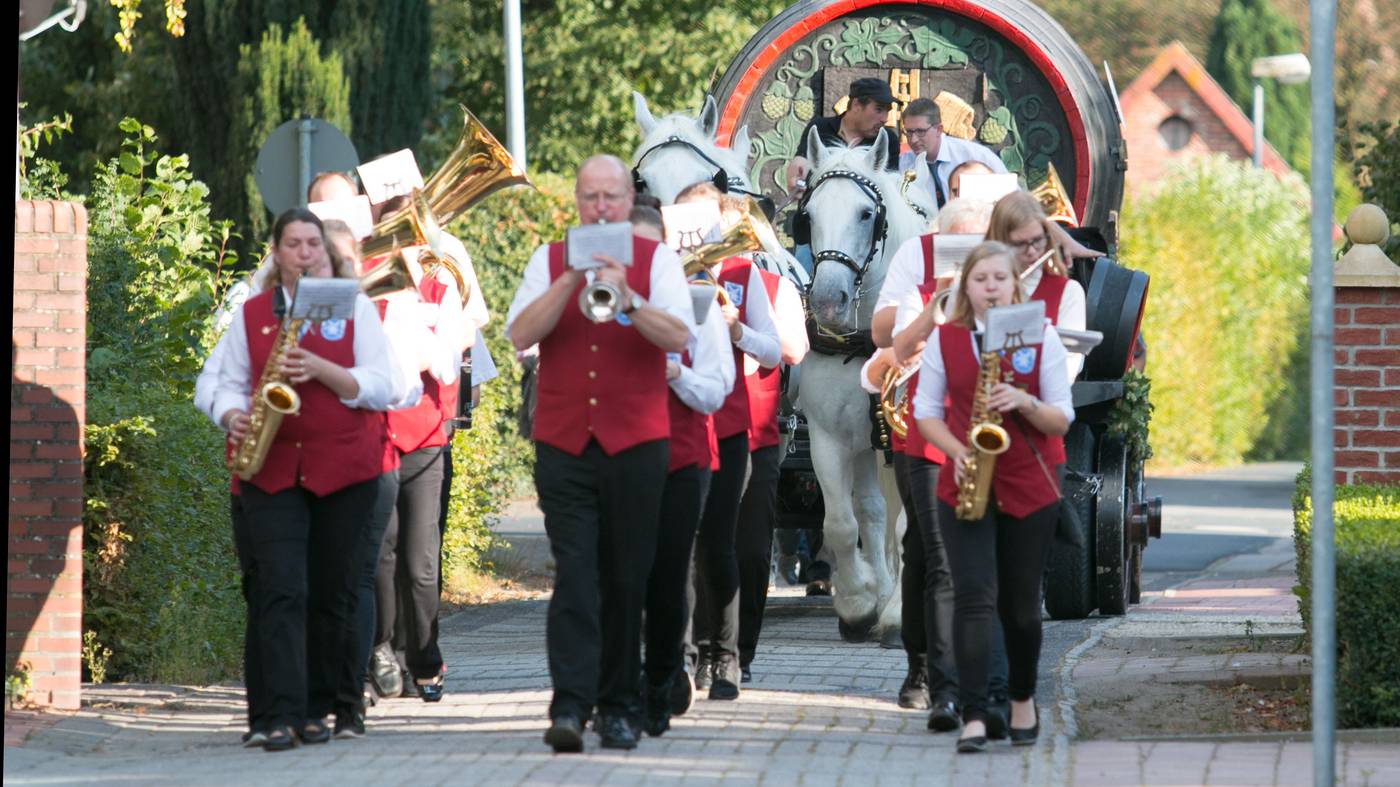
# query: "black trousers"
[716,622]
[444,500]
[600,513]
[667,607]
[252,658]
[359,635]
[407,578]
[997,564]
[758,512]
[304,551]
[927,579]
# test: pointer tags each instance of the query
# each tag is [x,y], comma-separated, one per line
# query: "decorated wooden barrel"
[1002,72]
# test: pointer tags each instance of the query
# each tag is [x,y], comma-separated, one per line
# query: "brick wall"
[44,577]
[1367,394]
[1149,158]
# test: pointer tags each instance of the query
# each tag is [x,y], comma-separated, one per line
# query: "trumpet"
[600,301]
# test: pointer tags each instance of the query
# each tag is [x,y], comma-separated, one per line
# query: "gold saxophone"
[986,438]
[273,398]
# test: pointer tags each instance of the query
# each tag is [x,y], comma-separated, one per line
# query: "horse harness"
[722,180]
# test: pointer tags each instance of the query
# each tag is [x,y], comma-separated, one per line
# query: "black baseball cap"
[875,89]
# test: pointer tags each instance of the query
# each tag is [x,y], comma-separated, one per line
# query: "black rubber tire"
[1112,545]
[1101,126]
[1116,297]
[1069,574]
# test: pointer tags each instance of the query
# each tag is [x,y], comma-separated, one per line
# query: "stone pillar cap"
[1365,264]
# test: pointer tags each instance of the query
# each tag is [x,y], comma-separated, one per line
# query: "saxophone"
[273,398]
[986,438]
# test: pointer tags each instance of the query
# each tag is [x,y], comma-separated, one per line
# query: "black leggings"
[758,511]
[667,610]
[927,585]
[716,622]
[997,562]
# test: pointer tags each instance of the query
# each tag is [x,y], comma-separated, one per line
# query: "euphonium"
[1054,198]
[985,439]
[273,398]
[894,400]
[388,277]
[738,238]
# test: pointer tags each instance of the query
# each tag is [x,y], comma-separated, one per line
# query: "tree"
[1249,29]
[1375,148]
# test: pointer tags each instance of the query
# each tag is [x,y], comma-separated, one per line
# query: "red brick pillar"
[44,574]
[1367,394]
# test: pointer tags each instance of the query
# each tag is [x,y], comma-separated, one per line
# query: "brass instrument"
[476,168]
[600,301]
[894,400]
[273,398]
[387,278]
[1055,199]
[985,438]
[740,237]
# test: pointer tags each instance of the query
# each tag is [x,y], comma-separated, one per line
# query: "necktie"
[937,187]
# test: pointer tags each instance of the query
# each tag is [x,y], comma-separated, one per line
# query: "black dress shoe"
[745,675]
[944,716]
[252,739]
[280,739]
[973,745]
[997,714]
[432,692]
[565,735]
[819,587]
[315,731]
[682,693]
[616,732]
[1026,737]
[349,723]
[913,694]
[656,709]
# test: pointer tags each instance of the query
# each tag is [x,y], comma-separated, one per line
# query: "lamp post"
[1288,69]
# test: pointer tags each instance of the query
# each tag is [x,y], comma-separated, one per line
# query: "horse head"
[679,150]
[858,219]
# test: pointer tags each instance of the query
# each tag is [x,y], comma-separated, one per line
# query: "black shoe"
[745,675]
[616,732]
[369,697]
[682,693]
[656,707]
[315,731]
[432,692]
[565,735]
[819,587]
[997,714]
[280,739]
[788,568]
[913,694]
[704,674]
[972,745]
[944,716]
[1026,737]
[349,723]
[252,739]
[384,673]
[725,683]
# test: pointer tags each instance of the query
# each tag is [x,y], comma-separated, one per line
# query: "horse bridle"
[726,183]
[878,229]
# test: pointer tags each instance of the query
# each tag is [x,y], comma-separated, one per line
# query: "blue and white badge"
[735,291]
[624,320]
[333,330]
[1023,360]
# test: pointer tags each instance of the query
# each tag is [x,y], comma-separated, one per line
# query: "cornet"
[600,301]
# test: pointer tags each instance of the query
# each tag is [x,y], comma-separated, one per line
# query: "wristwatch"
[634,304]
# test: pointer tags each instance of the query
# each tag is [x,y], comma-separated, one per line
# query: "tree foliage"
[1375,147]
[1249,29]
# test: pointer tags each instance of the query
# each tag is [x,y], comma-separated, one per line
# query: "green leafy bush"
[1367,523]
[1227,248]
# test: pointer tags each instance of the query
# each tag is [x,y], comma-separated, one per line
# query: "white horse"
[858,218]
[679,150]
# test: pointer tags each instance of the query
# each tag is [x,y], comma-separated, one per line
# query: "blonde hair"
[1015,211]
[962,309]
[337,229]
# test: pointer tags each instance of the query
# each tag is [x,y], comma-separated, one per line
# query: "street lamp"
[1287,69]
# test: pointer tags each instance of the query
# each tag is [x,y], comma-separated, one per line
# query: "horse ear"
[741,144]
[644,119]
[709,117]
[816,147]
[880,151]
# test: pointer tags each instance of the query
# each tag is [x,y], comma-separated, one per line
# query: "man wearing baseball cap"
[864,118]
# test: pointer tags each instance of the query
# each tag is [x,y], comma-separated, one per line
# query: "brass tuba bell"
[1055,199]
[744,235]
[388,277]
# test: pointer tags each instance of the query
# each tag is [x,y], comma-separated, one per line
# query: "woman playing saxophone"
[306,507]
[996,559]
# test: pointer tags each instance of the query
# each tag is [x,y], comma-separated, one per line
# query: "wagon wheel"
[1113,547]
[1135,557]
[1069,576]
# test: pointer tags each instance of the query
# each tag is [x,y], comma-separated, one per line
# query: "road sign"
[293,154]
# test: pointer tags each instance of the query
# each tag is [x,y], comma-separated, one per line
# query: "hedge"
[1368,605]
[1227,249]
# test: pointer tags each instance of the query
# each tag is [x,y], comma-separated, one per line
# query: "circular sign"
[278,169]
[1002,73]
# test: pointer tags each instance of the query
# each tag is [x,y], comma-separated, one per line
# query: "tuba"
[986,438]
[476,168]
[1055,199]
[387,278]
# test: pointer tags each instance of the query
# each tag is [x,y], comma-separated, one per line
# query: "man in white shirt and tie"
[923,129]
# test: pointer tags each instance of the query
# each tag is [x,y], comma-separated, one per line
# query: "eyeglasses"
[917,132]
[1034,244]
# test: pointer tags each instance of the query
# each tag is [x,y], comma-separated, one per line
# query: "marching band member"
[601,432]
[715,630]
[307,508]
[997,561]
[699,380]
[922,123]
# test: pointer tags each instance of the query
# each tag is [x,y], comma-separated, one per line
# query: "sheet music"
[389,176]
[691,224]
[354,211]
[318,300]
[1018,325]
[612,240]
[986,186]
[950,251]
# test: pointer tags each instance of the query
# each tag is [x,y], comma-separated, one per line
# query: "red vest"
[765,386]
[421,426]
[1050,290]
[692,434]
[733,417]
[327,446]
[1020,483]
[915,445]
[601,381]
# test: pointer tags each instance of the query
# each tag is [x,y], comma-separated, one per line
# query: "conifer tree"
[1249,29]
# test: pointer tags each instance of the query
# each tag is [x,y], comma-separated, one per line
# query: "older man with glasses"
[922,126]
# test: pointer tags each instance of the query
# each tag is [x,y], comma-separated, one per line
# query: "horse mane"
[902,221]
[687,127]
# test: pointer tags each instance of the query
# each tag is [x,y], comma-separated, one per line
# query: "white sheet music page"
[354,211]
[950,252]
[1018,325]
[611,240]
[319,300]
[691,224]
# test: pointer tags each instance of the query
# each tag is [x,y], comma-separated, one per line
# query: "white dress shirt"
[669,291]
[704,385]
[953,151]
[476,301]
[791,322]
[758,333]
[1071,316]
[483,365]
[407,326]
[933,378]
[377,368]
[903,276]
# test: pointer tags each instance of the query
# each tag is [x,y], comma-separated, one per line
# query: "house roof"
[1176,58]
